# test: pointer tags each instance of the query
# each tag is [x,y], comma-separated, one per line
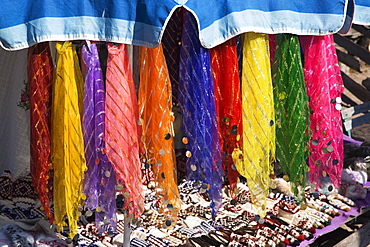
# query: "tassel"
[122,132]
[67,138]
[324,88]
[40,75]
[156,116]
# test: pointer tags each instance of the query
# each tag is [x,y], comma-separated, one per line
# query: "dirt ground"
[362,132]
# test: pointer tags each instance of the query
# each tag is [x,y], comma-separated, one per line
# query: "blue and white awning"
[362,12]
[142,22]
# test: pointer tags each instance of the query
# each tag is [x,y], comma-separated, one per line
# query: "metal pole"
[126,231]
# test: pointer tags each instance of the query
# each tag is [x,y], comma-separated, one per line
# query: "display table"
[362,206]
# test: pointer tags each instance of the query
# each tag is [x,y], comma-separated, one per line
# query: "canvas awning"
[362,13]
[142,22]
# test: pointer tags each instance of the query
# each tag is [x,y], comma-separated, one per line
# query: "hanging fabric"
[239,49]
[171,42]
[156,116]
[122,130]
[100,178]
[225,72]
[67,138]
[291,111]
[272,46]
[324,88]
[197,102]
[40,75]
[255,160]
